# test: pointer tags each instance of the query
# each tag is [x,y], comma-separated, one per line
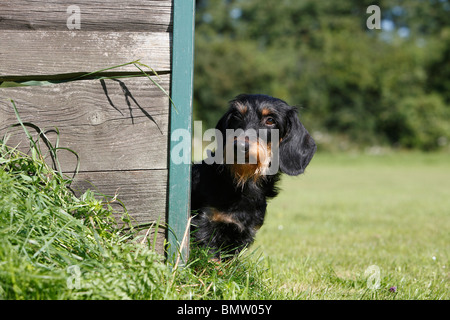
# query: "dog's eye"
[270,122]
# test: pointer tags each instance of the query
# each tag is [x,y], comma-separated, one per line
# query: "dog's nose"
[241,146]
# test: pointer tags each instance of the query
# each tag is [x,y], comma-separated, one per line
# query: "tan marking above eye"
[241,108]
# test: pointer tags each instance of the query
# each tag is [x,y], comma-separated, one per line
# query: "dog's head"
[256,125]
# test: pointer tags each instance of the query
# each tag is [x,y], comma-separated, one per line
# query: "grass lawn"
[387,215]
[350,212]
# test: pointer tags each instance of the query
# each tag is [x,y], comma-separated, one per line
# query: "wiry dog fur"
[229,199]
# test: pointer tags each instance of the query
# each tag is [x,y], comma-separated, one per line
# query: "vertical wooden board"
[110,124]
[180,174]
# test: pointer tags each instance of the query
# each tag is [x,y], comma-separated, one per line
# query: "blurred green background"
[355,87]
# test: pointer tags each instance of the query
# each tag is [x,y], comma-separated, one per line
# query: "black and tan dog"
[229,198]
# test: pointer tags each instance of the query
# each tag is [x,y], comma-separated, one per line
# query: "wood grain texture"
[54,52]
[119,128]
[111,124]
[142,192]
[95,15]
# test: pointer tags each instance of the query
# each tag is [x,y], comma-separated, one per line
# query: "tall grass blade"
[137,64]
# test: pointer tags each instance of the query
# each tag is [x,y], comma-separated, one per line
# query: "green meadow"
[353,226]
[350,212]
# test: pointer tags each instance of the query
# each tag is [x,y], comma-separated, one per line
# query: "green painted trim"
[179,189]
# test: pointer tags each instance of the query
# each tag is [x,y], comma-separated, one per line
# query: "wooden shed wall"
[118,127]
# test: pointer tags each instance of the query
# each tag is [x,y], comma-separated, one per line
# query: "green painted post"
[179,189]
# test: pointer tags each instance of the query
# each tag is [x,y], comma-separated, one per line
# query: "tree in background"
[388,86]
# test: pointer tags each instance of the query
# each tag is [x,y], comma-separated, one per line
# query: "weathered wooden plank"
[54,52]
[142,192]
[95,15]
[111,124]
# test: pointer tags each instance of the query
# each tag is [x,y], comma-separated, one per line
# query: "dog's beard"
[255,166]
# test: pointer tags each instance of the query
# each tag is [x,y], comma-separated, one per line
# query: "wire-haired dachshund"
[258,137]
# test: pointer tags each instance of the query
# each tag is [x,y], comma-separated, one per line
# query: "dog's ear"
[222,124]
[297,147]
